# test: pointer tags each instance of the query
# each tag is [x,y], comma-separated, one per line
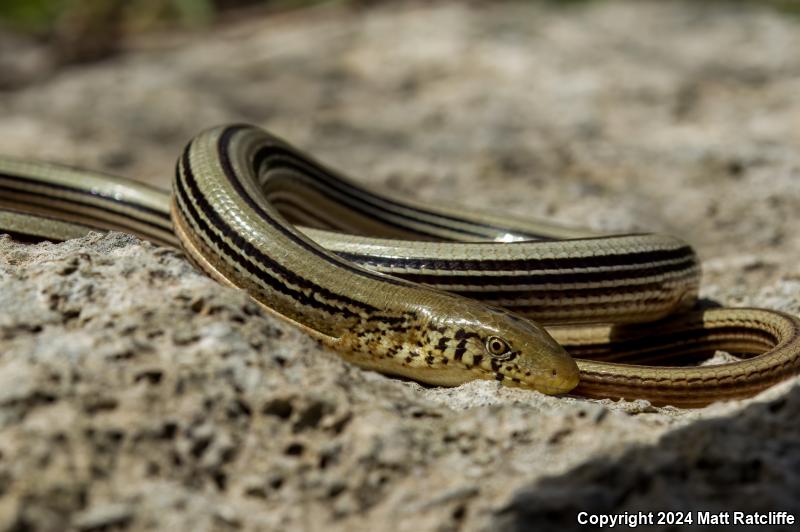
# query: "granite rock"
[137,394]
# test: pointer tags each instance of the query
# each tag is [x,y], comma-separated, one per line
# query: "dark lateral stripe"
[584,312]
[594,313]
[46,216]
[382,203]
[285,206]
[273,282]
[25,235]
[320,182]
[301,241]
[91,193]
[561,294]
[97,222]
[684,253]
[240,243]
[106,206]
[535,279]
[425,235]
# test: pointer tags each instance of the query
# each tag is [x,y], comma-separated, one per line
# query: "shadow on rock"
[748,462]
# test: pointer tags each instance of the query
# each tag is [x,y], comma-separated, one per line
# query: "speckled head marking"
[241,195]
[491,343]
[466,341]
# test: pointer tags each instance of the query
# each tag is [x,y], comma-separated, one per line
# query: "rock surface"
[137,394]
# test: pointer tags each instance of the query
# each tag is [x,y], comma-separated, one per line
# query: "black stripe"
[91,193]
[381,202]
[577,313]
[302,241]
[319,182]
[560,294]
[275,283]
[94,222]
[534,278]
[250,250]
[283,206]
[684,253]
[418,233]
[102,208]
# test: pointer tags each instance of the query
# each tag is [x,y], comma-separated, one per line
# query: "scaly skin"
[240,196]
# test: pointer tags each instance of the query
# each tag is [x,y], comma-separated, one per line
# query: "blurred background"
[622,115]
[81,30]
[677,117]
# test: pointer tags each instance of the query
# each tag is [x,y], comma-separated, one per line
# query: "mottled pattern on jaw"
[409,341]
[390,336]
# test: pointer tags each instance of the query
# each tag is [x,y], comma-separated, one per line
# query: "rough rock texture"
[134,390]
[137,394]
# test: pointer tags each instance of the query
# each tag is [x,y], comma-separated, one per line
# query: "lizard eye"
[497,347]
